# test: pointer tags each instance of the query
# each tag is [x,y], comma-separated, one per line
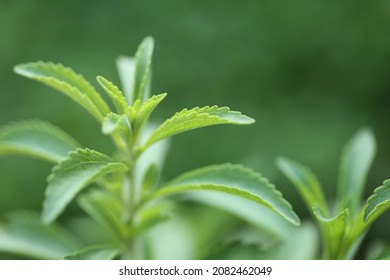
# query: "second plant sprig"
[343,228]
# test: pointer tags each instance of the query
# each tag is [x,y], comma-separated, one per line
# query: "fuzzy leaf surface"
[377,203]
[25,235]
[143,64]
[67,81]
[95,252]
[71,175]
[114,93]
[305,181]
[36,139]
[235,180]
[195,118]
[356,160]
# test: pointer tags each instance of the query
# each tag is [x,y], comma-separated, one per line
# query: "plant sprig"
[343,227]
[126,201]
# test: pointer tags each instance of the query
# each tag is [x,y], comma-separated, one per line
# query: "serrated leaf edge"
[251,173]
[60,167]
[367,216]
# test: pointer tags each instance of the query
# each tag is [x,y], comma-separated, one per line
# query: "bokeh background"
[310,72]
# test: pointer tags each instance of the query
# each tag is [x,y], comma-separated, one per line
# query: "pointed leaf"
[334,230]
[67,81]
[196,118]
[105,209]
[146,109]
[70,176]
[235,180]
[126,69]
[114,93]
[37,139]
[143,63]
[377,203]
[25,235]
[95,252]
[305,181]
[355,163]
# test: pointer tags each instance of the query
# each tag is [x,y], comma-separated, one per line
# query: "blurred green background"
[310,72]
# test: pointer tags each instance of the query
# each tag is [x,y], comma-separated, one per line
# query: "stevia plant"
[343,224]
[127,198]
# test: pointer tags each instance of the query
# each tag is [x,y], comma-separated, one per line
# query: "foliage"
[128,200]
[344,226]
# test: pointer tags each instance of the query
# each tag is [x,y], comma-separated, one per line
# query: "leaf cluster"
[128,198]
[343,226]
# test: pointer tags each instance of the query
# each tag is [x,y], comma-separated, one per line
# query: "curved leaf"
[305,181]
[67,81]
[334,230]
[70,176]
[377,203]
[142,73]
[114,93]
[146,109]
[37,139]
[105,209]
[113,123]
[195,118]
[95,252]
[355,163]
[25,235]
[234,180]
[269,222]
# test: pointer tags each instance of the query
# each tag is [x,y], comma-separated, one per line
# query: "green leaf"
[113,123]
[71,175]
[126,69]
[155,155]
[105,209]
[150,179]
[377,203]
[114,93]
[299,243]
[25,235]
[355,163]
[146,109]
[149,216]
[67,81]
[37,139]
[306,183]
[195,118]
[385,255]
[334,230]
[95,252]
[234,180]
[271,224]
[142,73]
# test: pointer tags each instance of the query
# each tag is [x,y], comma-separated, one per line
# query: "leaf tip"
[20,69]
